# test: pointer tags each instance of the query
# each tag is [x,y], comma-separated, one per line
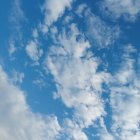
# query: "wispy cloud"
[17,16]
[96,29]
[129,9]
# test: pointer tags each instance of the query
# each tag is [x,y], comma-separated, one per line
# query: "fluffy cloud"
[125,100]
[79,85]
[33,51]
[53,9]
[17,121]
[129,9]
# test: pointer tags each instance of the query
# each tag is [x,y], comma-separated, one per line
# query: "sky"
[70,70]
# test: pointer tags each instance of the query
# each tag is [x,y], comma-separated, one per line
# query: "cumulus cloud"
[33,51]
[17,121]
[129,9]
[78,83]
[53,9]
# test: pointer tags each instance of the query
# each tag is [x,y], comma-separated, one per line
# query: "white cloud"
[12,48]
[17,14]
[72,131]
[97,30]
[54,9]
[35,33]
[39,82]
[126,115]
[125,100]
[126,73]
[17,17]
[81,10]
[104,134]
[79,85]
[129,9]
[17,77]
[33,51]
[17,121]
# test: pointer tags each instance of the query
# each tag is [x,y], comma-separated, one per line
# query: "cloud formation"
[102,99]
[97,31]
[78,83]
[125,99]
[33,51]
[52,14]
[17,121]
[129,9]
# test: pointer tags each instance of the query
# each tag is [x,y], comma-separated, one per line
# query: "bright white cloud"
[17,121]
[33,51]
[129,9]
[53,9]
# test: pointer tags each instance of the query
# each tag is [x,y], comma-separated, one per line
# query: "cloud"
[16,17]
[129,9]
[104,134]
[126,114]
[17,121]
[17,77]
[12,49]
[97,30]
[72,131]
[53,9]
[33,51]
[78,83]
[125,99]
[17,14]
[39,82]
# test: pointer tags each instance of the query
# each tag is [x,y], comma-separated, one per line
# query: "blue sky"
[69,70]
